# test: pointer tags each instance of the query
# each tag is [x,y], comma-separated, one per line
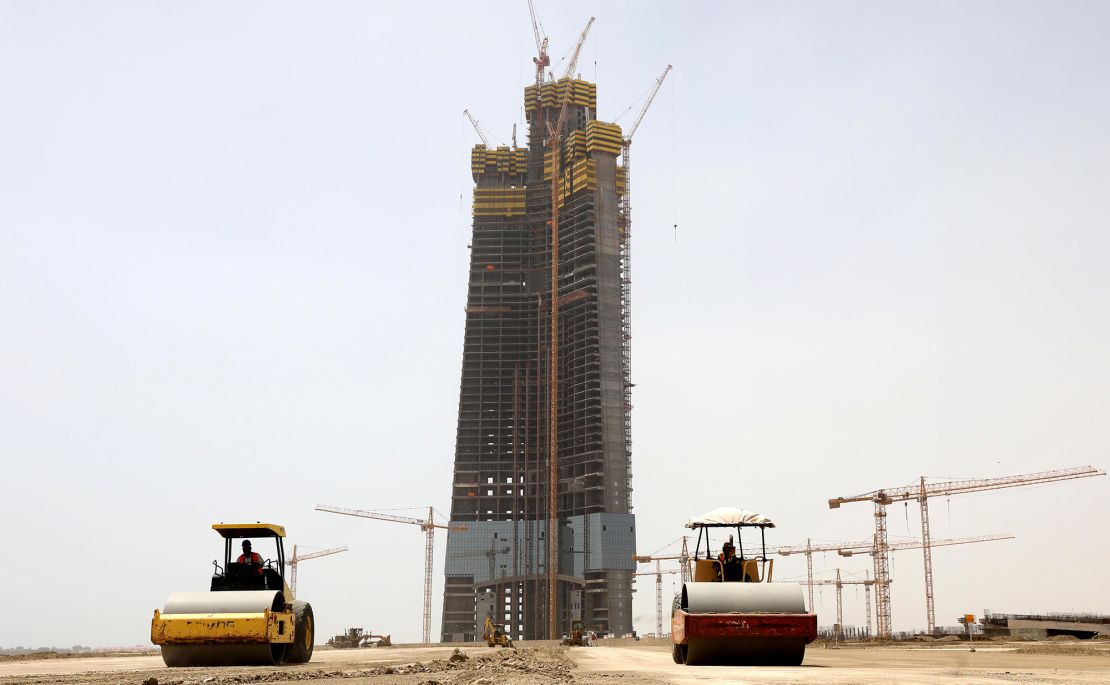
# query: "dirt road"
[651,665]
[909,665]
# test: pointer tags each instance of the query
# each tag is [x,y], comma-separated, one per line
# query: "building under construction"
[497,566]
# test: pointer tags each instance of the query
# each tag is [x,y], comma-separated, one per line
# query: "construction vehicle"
[578,635]
[494,634]
[249,615]
[371,640]
[357,637]
[732,613]
[348,640]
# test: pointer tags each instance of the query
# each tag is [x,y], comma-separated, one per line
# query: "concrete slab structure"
[500,490]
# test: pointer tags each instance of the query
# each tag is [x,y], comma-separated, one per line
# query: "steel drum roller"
[743,598]
[223,653]
[241,602]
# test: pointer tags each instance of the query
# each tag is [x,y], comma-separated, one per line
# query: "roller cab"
[248,617]
[732,612]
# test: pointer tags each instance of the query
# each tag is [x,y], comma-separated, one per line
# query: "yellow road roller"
[248,617]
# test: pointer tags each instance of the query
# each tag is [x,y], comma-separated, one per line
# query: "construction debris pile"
[545,666]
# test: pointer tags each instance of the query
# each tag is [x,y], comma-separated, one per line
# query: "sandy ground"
[650,664]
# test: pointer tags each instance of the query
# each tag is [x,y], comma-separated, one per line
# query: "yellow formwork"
[603,137]
[582,174]
[505,202]
[501,160]
[582,93]
[576,144]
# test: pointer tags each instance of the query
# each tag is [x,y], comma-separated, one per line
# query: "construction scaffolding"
[499,565]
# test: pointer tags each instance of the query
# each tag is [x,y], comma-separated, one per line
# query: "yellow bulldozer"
[249,615]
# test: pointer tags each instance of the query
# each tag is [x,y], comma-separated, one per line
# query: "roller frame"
[196,629]
[685,626]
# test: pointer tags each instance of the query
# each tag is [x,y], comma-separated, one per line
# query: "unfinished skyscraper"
[498,565]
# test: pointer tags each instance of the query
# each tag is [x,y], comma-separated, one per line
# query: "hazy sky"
[233,265]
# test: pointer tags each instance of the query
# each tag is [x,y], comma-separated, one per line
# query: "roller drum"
[223,653]
[237,602]
[743,598]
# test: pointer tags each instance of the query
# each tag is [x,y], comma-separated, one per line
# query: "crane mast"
[921,492]
[626,243]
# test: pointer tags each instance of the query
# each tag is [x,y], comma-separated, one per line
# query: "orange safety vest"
[255,559]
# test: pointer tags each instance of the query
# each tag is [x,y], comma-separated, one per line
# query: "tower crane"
[626,232]
[847,549]
[297,558]
[659,573]
[554,135]
[427,525]
[481,131]
[839,584]
[541,59]
[922,491]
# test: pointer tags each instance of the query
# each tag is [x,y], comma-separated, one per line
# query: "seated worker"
[249,557]
[731,565]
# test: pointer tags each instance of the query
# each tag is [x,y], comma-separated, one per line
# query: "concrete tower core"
[497,565]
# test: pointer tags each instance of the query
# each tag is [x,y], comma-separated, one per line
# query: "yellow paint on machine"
[193,629]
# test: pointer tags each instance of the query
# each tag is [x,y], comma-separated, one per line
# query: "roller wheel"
[304,633]
[678,654]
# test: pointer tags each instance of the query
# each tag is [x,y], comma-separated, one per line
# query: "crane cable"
[674,161]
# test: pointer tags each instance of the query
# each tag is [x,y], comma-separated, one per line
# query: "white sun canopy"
[729,516]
